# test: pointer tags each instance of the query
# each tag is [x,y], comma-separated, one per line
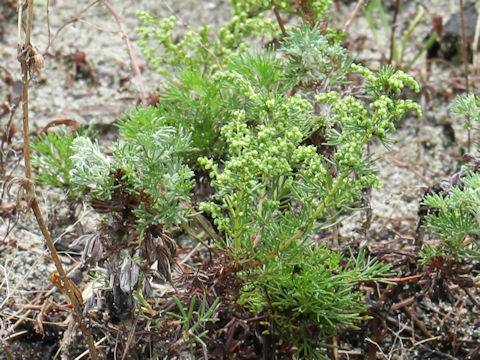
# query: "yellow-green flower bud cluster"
[360,123]
[260,152]
[237,82]
[388,81]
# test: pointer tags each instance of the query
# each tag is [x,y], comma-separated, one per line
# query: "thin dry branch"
[352,16]
[141,87]
[30,63]
[465,64]
[279,18]
[70,21]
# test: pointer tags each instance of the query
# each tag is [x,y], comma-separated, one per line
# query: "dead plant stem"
[7,350]
[416,321]
[352,16]
[278,17]
[465,64]
[118,19]
[25,51]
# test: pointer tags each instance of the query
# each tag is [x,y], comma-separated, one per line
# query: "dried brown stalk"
[279,18]
[31,62]
[353,15]
[7,350]
[465,64]
[143,94]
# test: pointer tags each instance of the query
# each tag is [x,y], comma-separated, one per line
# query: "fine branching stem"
[74,19]
[352,16]
[141,87]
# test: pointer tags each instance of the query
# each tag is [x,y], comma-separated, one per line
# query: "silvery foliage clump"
[144,186]
[148,164]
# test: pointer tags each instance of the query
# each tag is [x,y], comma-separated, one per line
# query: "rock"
[448,45]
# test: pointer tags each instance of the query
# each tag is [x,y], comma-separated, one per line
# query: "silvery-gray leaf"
[147,291]
[93,248]
[163,263]
[129,274]
[89,304]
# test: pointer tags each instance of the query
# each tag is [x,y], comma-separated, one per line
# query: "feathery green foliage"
[313,60]
[468,106]
[204,50]
[193,321]
[310,294]
[51,158]
[249,118]
[148,165]
[456,223]
[455,220]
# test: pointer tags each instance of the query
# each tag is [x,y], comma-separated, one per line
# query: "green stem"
[327,203]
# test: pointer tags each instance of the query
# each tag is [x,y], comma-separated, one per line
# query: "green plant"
[314,61]
[51,158]
[144,186]
[193,320]
[273,191]
[286,152]
[268,168]
[454,220]
[145,169]
[468,106]
[311,294]
[455,223]
[375,10]
[203,51]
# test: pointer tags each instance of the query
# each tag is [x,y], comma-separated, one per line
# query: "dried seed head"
[37,63]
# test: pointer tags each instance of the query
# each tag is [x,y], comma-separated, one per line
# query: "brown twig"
[50,289]
[7,350]
[26,54]
[130,337]
[416,321]
[465,65]
[352,16]
[70,21]
[278,17]
[472,298]
[307,13]
[404,279]
[141,87]
[403,303]
[402,164]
